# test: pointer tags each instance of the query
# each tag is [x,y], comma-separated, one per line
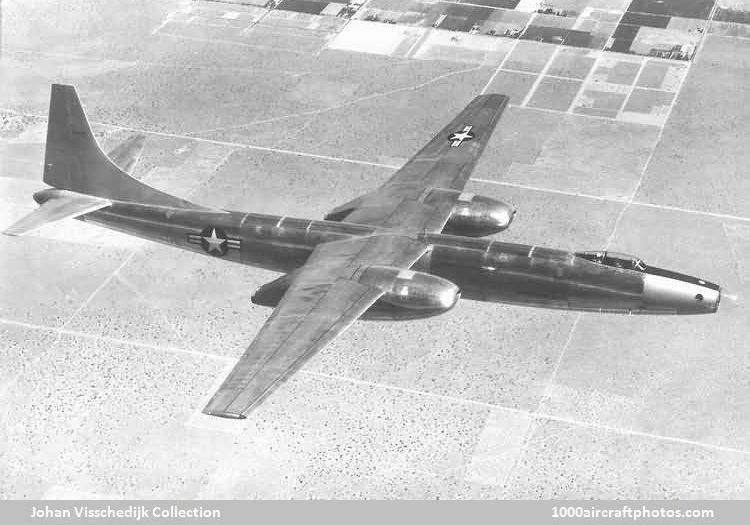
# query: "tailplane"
[74,161]
[56,205]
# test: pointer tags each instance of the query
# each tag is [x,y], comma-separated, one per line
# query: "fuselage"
[484,270]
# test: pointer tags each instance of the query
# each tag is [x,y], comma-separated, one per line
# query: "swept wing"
[323,300]
[445,162]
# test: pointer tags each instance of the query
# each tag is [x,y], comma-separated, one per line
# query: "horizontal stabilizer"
[126,154]
[59,204]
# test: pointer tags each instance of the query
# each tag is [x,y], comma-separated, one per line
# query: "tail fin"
[74,161]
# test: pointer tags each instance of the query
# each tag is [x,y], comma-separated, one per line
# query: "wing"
[445,162]
[323,300]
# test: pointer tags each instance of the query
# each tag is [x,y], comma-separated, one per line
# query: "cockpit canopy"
[618,260]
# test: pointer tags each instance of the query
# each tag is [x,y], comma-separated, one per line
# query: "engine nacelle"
[408,294]
[410,290]
[474,215]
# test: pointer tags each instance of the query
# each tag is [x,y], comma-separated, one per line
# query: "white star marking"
[460,136]
[214,242]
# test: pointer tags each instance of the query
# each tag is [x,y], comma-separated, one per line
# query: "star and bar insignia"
[459,137]
[214,241]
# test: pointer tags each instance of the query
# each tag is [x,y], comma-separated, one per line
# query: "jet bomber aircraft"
[407,250]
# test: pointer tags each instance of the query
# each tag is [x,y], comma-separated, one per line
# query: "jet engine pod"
[473,215]
[477,216]
[270,294]
[409,294]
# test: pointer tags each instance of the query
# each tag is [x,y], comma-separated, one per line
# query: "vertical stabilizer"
[74,161]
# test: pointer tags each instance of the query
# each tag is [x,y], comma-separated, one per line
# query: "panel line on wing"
[299,360]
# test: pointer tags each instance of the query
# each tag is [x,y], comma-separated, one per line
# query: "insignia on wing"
[459,137]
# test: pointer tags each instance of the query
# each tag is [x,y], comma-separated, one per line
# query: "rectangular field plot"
[615,70]
[530,57]
[381,39]
[224,15]
[464,18]
[460,47]
[565,8]
[572,63]
[423,14]
[660,74]
[311,7]
[647,107]
[730,29]
[685,8]
[601,100]
[592,32]
[622,39]
[602,15]
[548,28]
[656,42]
[665,43]
[689,25]
[554,93]
[512,83]
[737,11]
[296,20]
[503,22]
[642,19]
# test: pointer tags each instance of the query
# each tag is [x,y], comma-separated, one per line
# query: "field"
[111,345]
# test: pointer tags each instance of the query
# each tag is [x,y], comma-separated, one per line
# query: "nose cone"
[709,300]
[681,295]
[503,215]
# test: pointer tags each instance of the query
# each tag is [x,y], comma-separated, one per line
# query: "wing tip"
[22,227]
[224,414]
[500,97]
